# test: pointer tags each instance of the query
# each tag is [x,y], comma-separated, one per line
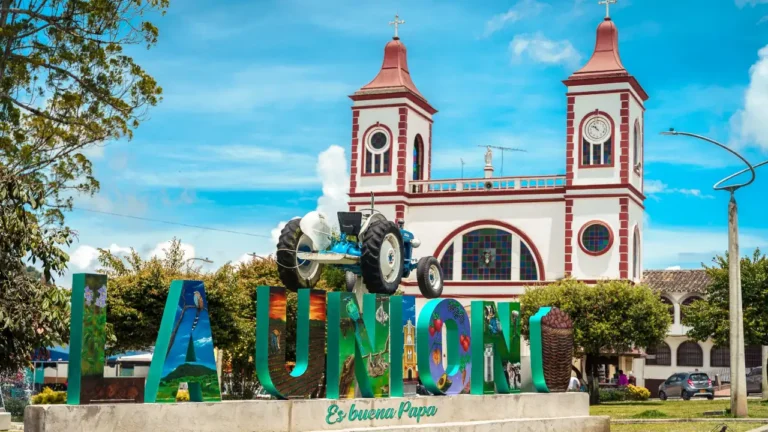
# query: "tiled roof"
[677,280]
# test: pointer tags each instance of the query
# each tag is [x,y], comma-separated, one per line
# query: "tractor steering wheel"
[372,210]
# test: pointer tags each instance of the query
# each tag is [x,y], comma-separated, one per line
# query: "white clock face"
[597,129]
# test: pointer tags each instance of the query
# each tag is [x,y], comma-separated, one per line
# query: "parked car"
[687,385]
[755,380]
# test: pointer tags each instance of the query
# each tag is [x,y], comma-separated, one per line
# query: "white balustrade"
[486,185]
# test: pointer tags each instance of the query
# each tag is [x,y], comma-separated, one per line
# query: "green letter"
[496,351]
[537,355]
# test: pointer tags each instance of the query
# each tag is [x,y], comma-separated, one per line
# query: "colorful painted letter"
[306,378]
[496,352]
[537,353]
[88,325]
[354,353]
[435,315]
[184,348]
[402,309]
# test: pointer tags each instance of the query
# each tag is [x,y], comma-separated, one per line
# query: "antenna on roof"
[503,149]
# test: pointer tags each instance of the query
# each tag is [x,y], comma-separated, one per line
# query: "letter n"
[306,378]
[88,325]
[184,348]
[358,346]
[496,347]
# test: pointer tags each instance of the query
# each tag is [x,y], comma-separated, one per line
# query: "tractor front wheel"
[381,258]
[430,277]
[295,273]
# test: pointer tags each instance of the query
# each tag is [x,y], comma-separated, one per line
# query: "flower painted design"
[88,296]
[101,301]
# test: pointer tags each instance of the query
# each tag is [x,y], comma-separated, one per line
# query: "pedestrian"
[623,380]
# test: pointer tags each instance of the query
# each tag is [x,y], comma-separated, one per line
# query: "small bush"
[650,414]
[182,396]
[15,406]
[49,397]
[613,395]
[638,393]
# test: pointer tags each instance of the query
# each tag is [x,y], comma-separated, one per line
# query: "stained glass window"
[528,269]
[377,153]
[596,238]
[636,147]
[486,255]
[607,149]
[586,149]
[417,155]
[446,263]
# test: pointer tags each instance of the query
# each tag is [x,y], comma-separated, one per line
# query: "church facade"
[496,235]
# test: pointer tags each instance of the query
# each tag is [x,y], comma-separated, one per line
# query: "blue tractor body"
[350,246]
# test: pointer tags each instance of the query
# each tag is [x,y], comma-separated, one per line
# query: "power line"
[170,223]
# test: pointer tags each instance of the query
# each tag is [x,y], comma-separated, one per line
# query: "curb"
[695,420]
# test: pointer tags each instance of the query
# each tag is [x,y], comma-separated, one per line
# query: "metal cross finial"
[398,21]
[607,4]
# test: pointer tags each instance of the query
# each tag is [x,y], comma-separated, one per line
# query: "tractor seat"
[350,222]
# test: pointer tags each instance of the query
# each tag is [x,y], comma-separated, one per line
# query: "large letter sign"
[184,348]
[88,335]
[448,314]
[496,351]
[306,378]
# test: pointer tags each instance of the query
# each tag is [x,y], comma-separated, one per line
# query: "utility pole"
[735,309]
[462,168]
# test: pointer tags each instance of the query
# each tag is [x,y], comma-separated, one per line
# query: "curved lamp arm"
[717,186]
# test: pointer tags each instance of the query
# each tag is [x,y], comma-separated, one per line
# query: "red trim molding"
[421,103]
[610,238]
[353,173]
[599,92]
[499,224]
[568,237]
[624,238]
[609,80]
[569,147]
[394,105]
[402,142]
[365,151]
[580,147]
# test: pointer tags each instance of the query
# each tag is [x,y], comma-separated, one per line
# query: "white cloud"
[161,248]
[86,257]
[523,9]
[763,20]
[543,50]
[656,187]
[673,268]
[749,125]
[753,3]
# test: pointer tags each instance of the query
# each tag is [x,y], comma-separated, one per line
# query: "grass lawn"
[672,409]
[682,427]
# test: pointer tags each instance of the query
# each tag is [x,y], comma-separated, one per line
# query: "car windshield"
[699,377]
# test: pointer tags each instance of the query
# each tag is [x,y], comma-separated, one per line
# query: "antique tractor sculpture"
[367,245]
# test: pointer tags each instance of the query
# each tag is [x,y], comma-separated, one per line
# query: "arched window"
[684,304]
[690,354]
[720,356]
[486,255]
[660,355]
[446,263]
[637,143]
[671,307]
[596,140]
[418,158]
[636,255]
[378,150]
[528,269]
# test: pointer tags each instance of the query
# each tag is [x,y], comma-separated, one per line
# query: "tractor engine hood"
[316,226]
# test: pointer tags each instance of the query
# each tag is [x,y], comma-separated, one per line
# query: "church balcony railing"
[487,184]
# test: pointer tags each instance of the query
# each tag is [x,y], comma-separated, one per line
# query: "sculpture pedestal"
[5,420]
[527,411]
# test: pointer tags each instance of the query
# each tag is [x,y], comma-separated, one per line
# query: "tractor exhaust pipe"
[372,200]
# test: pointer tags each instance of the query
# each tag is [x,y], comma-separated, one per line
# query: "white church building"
[496,235]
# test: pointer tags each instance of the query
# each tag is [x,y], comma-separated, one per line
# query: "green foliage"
[650,414]
[613,395]
[66,85]
[15,406]
[636,393]
[610,316]
[49,397]
[709,318]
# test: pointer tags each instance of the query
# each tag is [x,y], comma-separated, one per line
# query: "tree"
[65,85]
[609,317]
[709,318]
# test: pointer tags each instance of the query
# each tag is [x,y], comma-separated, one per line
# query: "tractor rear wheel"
[295,273]
[430,277]
[381,260]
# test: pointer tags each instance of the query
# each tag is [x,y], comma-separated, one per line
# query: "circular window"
[378,141]
[595,238]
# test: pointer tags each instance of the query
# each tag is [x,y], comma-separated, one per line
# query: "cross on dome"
[398,21]
[607,4]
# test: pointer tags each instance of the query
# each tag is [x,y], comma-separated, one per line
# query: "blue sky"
[255,91]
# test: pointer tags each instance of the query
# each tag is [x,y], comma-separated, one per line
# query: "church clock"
[597,129]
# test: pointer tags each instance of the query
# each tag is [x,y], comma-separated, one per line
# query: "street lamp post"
[735,310]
